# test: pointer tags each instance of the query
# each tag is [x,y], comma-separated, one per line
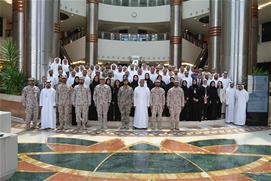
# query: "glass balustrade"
[134,37]
[136,3]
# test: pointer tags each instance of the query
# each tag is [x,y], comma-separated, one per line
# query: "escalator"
[202,59]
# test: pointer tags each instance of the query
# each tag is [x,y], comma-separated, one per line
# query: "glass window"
[167,2]
[116,2]
[160,2]
[134,3]
[143,3]
[107,1]
[125,2]
[152,2]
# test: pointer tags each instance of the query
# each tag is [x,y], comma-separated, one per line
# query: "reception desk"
[8,155]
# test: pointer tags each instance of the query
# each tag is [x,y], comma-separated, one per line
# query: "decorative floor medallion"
[78,159]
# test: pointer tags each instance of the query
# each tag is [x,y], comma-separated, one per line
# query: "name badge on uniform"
[195,91]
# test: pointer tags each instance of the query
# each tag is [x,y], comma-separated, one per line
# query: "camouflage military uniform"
[30,101]
[175,103]
[64,104]
[125,102]
[157,102]
[81,99]
[102,97]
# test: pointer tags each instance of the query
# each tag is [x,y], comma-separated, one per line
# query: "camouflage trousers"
[31,114]
[102,111]
[156,118]
[174,117]
[81,112]
[65,113]
[125,116]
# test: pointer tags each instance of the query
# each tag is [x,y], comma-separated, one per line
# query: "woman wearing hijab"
[164,86]
[116,111]
[195,102]
[75,83]
[148,81]
[221,100]
[205,94]
[134,83]
[92,113]
[110,113]
[213,102]
[185,114]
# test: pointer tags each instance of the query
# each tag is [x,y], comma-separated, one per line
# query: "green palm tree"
[11,79]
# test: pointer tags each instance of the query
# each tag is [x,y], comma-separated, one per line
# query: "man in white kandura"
[141,103]
[230,103]
[241,99]
[48,107]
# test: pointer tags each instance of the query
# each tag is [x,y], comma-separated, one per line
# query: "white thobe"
[70,80]
[188,80]
[181,76]
[48,112]
[65,67]
[225,82]
[153,77]
[87,82]
[141,103]
[55,66]
[166,79]
[241,99]
[118,76]
[53,79]
[230,103]
[79,74]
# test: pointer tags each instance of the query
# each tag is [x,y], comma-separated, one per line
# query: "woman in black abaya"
[194,102]
[92,112]
[212,102]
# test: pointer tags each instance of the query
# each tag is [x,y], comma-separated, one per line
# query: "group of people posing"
[115,93]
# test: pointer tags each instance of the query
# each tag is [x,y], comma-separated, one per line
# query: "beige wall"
[191,9]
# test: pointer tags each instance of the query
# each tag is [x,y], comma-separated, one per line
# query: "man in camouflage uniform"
[102,97]
[30,95]
[81,100]
[125,102]
[175,103]
[157,103]
[64,103]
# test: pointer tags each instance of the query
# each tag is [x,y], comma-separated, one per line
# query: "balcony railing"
[136,3]
[134,37]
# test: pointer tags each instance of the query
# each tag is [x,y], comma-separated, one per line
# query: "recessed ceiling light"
[195,18]
[72,14]
[204,25]
[61,21]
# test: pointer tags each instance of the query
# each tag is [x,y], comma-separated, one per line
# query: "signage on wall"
[258,104]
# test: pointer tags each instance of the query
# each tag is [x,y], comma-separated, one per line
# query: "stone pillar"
[176,33]
[18,7]
[253,35]
[235,38]
[215,35]
[92,32]
[40,30]
[56,34]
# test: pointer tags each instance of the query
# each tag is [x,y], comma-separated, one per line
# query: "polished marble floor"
[219,156]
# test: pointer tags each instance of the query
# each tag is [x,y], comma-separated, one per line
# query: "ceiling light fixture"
[264,5]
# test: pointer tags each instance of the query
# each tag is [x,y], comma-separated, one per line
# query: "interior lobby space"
[135,90]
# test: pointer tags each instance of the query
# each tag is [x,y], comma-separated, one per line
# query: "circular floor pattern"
[79,159]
